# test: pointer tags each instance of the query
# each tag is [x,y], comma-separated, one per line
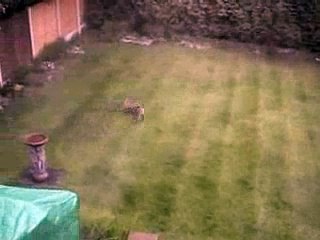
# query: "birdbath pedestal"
[36,151]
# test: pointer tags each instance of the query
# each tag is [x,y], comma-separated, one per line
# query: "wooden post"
[33,51]
[1,80]
[58,17]
[78,16]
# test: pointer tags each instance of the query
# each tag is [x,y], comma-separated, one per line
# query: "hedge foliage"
[287,23]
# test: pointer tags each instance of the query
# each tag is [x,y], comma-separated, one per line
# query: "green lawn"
[229,148]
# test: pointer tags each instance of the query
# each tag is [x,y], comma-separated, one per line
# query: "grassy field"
[229,148]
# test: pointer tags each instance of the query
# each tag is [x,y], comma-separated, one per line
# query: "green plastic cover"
[38,214]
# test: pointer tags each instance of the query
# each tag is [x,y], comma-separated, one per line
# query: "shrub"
[7,90]
[95,19]
[20,74]
[167,33]
[53,51]
[138,23]
[290,23]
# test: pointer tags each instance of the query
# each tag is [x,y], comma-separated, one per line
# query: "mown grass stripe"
[121,149]
[303,177]
[236,182]
[273,220]
[157,199]
[196,211]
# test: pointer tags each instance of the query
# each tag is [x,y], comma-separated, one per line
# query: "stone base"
[142,236]
[52,181]
[40,177]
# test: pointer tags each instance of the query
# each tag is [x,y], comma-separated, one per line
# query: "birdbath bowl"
[36,151]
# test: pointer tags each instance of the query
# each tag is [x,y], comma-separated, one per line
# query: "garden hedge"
[286,23]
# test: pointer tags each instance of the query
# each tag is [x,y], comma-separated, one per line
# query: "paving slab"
[142,236]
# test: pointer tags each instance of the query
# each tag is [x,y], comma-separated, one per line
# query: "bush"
[138,23]
[167,33]
[289,23]
[53,51]
[7,90]
[95,19]
[20,74]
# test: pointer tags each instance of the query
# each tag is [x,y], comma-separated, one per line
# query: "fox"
[137,113]
[133,108]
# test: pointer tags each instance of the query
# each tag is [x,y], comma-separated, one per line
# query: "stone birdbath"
[36,151]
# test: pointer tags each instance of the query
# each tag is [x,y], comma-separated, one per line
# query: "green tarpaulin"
[37,214]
